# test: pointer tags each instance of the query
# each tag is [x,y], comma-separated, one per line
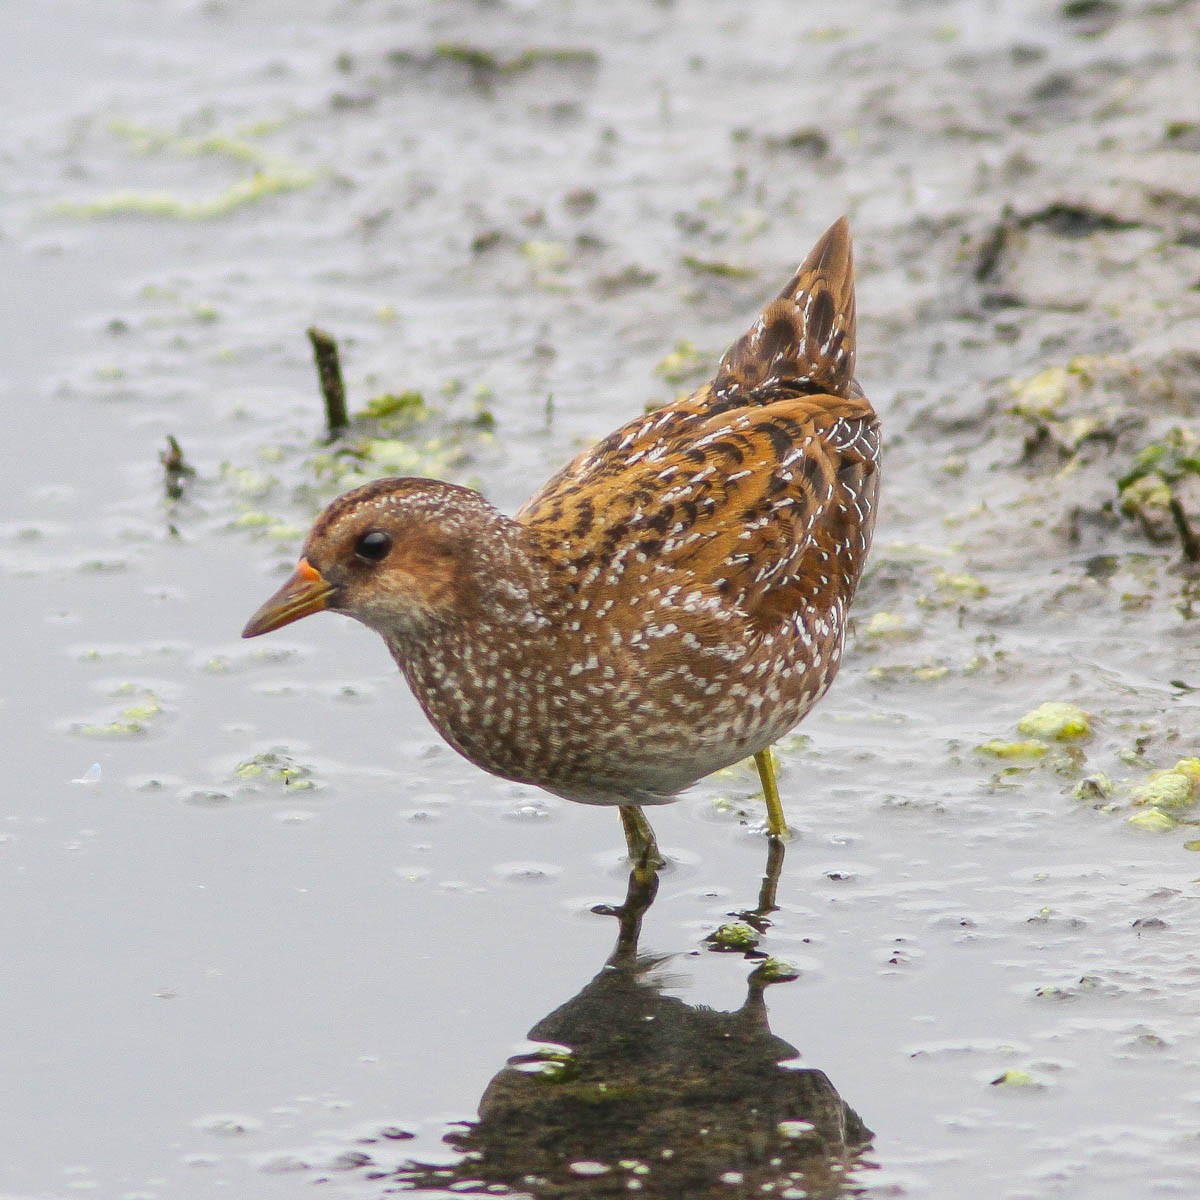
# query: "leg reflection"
[631,1088]
[639,895]
[743,932]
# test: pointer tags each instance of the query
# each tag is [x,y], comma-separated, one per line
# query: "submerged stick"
[1187,535]
[329,372]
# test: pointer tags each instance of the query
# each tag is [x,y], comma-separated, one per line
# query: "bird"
[672,601]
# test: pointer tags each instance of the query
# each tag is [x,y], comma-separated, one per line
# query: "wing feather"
[754,505]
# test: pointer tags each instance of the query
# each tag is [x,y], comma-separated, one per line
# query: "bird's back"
[756,487]
[709,550]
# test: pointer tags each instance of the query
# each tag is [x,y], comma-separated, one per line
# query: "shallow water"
[217,982]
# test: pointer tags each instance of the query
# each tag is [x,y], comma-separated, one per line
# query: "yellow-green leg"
[776,823]
[639,837]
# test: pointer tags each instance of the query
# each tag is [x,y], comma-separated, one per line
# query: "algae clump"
[1173,788]
[1153,820]
[997,748]
[734,935]
[1056,722]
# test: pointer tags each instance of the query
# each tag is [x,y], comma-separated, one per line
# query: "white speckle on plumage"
[562,666]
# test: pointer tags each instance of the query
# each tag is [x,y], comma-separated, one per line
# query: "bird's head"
[396,554]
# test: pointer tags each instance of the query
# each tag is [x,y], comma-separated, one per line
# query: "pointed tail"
[804,342]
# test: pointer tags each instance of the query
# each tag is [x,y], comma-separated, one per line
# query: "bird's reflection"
[636,1092]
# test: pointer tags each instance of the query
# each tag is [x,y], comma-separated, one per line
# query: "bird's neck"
[500,598]
[471,668]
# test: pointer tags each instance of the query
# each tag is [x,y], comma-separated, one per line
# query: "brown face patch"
[431,569]
[432,532]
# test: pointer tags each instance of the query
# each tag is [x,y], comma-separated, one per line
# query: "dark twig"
[1187,535]
[329,371]
[176,469]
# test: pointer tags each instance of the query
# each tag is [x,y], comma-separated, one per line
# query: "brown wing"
[751,501]
[755,513]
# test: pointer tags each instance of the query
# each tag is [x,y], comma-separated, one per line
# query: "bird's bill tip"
[305,592]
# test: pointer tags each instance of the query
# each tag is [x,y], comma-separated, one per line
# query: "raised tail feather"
[804,342]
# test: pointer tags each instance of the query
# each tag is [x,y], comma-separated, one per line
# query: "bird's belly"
[615,735]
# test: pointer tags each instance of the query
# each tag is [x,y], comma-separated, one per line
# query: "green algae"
[887,625]
[920,673]
[396,409]
[735,936]
[1044,395]
[953,587]
[684,362]
[1015,1078]
[1097,787]
[276,767]
[1067,406]
[489,62]
[1057,722]
[128,202]
[1162,483]
[1153,820]
[997,748]
[716,267]
[548,262]
[397,432]
[1173,788]
[774,970]
[272,175]
[131,720]
[1175,456]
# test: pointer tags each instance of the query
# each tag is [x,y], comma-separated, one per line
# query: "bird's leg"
[644,853]
[776,822]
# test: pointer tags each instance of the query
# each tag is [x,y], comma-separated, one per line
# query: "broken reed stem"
[176,469]
[329,372]
[1187,535]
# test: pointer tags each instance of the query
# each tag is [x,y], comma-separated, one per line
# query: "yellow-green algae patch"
[1017,1079]
[717,267]
[546,257]
[1096,787]
[489,62]
[734,935]
[775,970]
[1044,394]
[273,175]
[952,588]
[130,202]
[1153,820]
[998,748]
[1057,722]
[130,721]
[276,766]
[926,673]
[887,624]
[396,408]
[684,362]
[394,433]
[1174,788]
[1085,401]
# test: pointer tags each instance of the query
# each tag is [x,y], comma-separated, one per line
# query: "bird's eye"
[373,546]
